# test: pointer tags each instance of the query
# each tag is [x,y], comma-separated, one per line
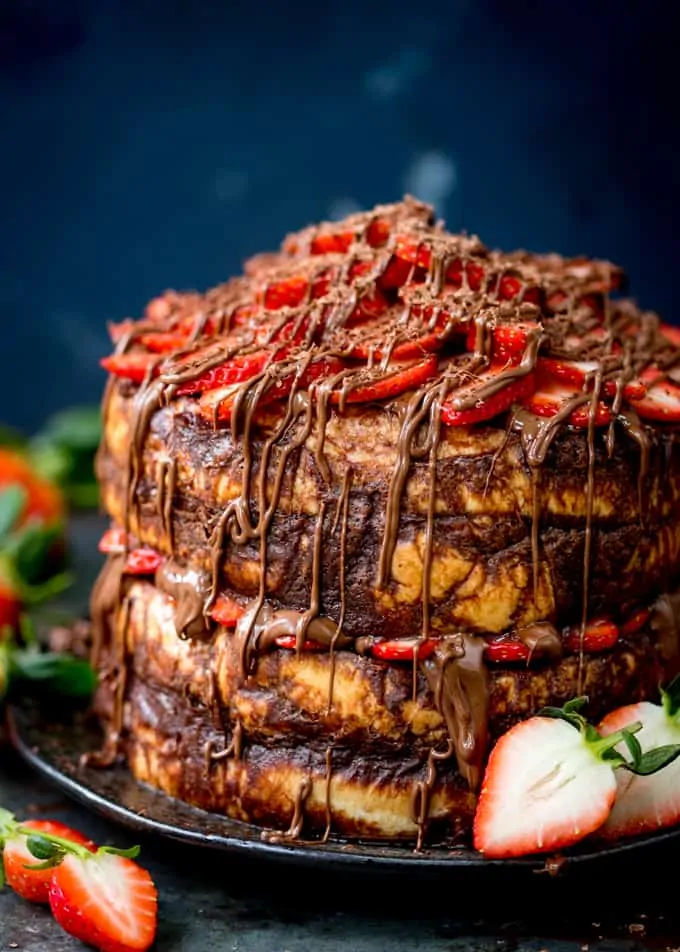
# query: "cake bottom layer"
[314,744]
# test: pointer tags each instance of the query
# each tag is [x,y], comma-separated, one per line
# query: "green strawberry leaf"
[12,501]
[63,673]
[30,550]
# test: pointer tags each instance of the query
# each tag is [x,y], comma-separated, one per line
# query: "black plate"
[53,747]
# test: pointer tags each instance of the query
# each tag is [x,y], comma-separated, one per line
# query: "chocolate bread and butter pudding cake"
[373,501]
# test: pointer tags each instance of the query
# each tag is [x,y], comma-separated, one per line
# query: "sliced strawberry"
[289,642]
[582,373]
[143,561]
[163,342]
[661,402]
[403,649]
[550,781]
[34,884]
[510,287]
[636,621]
[600,634]
[506,649]
[672,334]
[114,540]
[647,803]
[572,371]
[508,341]
[134,366]
[236,370]
[117,331]
[226,611]
[290,292]
[396,274]
[418,254]
[386,384]
[107,901]
[423,336]
[378,233]
[514,391]
[220,403]
[329,243]
[554,397]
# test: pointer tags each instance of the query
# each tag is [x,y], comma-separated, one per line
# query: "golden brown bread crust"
[185,697]
[481,576]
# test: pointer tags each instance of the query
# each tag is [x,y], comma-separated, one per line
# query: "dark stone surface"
[210,901]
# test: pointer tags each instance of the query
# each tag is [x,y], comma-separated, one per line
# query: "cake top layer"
[387,302]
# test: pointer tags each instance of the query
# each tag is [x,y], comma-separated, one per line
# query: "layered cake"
[373,501]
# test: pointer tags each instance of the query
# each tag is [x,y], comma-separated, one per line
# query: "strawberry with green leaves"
[30,883]
[551,780]
[100,896]
[647,803]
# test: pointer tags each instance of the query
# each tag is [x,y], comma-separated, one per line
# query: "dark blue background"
[152,144]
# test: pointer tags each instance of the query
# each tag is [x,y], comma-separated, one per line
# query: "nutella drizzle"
[446,299]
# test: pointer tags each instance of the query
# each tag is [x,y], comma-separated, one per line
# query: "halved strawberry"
[457,271]
[661,402]
[395,274]
[647,803]
[456,413]
[385,384]
[10,610]
[105,900]
[508,341]
[135,365]
[555,397]
[403,649]
[506,649]
[550,781]
[226,611]
[330,243]
[33,884]
[600,634]
[289,642]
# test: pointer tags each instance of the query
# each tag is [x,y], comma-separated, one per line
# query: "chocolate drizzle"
[321,325]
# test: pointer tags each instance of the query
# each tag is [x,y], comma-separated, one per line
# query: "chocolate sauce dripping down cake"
[372,502]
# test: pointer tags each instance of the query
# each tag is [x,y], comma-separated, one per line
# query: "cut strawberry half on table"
[553,397]
[404,649]
[32,884]
[107,901]
[550,781]
[508,341]
[661,401]
[382,384]
[600,634]
[135,366]
[226,611]
[506,649]
[647,803]
[457,411]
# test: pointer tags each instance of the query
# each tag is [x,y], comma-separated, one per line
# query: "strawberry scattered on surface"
[647,803]
[98,895]
[551,780]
